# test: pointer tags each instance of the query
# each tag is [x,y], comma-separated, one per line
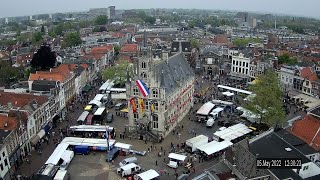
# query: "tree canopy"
[286,59]
[44,59]
[8,74]
[118,73]
[101,20]
[72,39]
[267,102]
[147,19]
[195,43]
[241,42]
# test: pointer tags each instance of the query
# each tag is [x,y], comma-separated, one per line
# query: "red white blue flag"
[143,88]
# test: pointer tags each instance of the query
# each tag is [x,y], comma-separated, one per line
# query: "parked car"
[109,117]
[119,106]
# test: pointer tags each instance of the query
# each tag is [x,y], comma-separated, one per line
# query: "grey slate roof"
[171,74]
[273,146]
[211,48]
[43,85]
[296,142]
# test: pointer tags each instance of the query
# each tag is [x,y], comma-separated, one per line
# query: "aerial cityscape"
[113,90]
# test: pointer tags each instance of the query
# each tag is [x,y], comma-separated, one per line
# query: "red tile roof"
[307,73]
[129,48]
[101,49]
[40,75]
[306,130]
[11,123]
[117,35]
[20,100]
[125,57]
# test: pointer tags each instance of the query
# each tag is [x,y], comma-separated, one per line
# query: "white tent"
[178,157]
[148,175]
[227,93]
[95,102]
[122,145]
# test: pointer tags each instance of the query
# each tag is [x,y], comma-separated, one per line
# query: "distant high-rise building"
[243,16]
[254,22]
[111,12]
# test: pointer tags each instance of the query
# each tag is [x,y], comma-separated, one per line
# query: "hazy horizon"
[306,8]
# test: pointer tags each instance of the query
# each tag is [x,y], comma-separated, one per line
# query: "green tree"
[101,20]
[8,74]
[195,43]
[268,100]
[72,39]
[117,49]
[286,59]
[241,42]
[37,37]
[84,24]
[118,73]
[58,30]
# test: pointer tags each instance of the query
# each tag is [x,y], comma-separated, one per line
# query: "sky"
[308,8]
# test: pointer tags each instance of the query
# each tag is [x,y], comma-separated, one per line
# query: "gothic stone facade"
[171,84]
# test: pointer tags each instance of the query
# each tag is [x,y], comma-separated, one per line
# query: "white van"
[129,169]
[128,161]
[210,122]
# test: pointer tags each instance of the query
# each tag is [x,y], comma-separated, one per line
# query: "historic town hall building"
[171,84]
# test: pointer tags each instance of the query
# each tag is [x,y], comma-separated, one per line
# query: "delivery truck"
[193,143]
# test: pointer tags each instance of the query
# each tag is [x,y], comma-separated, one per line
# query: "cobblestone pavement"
[94,166]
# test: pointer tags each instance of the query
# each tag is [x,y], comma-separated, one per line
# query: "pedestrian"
[182,125]
[161,148]
[164,152]
[148,150]
[145,141]
[179,135]
[164,159]
[156,163]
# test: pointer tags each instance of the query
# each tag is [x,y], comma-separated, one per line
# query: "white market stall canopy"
[205,109]
[233,132]
[67,155]
[122,145]
[234,89]
[95,102]
[148,175]
[75,141]
[217,101]
[57,153]
[91,128]
[99,111]
[227,93]
[214,146]
[98,97]
[107,85]
[196,139]
[83,116]
[178,157]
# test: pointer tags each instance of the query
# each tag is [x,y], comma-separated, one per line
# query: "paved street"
[94,166]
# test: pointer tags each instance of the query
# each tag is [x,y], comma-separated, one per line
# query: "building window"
[155,121]
[247,64]
[307,83]
[155,93]
[156,105]
[3,154]
[143,65]
[143,75]
[246,71]
[135,92]
[243,64]
[146,104]
[232,69]
[1,167]
[233,62]
[135,116]
[6,162]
